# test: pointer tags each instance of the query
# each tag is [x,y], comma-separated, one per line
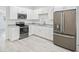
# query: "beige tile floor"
[32,44]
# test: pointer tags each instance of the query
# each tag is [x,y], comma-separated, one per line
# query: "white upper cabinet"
[51,10]
[13,13]
[45,10]
[60,8]
[15,10]
[34,14]
[69,7]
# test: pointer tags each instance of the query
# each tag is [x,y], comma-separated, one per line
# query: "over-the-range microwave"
[21,16]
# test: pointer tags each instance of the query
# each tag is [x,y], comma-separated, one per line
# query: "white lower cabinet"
[14,33]
[31,30]
[46,33]
[43,31]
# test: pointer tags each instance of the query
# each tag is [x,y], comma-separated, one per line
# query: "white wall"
[3,10]
[2,16]
[77,23]
[2,27]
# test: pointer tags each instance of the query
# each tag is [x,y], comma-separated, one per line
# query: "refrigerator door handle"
[63,22]
[61,27]
[64,35]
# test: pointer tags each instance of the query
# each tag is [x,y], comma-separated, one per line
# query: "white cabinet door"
[50,33]
[31,30]
[39,11]
[14,33]
[13,13]
[48,11]
[69,7]
[58,8]
[42,10]
[47,33]
[29,13]
[50,14]
[35,14]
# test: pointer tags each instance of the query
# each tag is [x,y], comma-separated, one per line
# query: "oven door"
[24,30]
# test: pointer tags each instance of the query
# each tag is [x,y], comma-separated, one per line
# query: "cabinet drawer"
[23,35]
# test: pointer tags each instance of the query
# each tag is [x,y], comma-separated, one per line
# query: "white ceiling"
[33,7]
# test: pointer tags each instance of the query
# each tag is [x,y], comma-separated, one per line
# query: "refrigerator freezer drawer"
[65,41]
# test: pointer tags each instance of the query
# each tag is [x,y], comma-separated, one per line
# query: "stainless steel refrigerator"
[65,29]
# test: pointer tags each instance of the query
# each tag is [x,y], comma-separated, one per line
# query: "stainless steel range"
[24,29]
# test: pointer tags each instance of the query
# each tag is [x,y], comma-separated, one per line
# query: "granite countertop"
[36,24]
[13,26]
[45,25]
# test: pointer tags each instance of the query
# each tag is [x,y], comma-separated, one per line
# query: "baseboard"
[42,37]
